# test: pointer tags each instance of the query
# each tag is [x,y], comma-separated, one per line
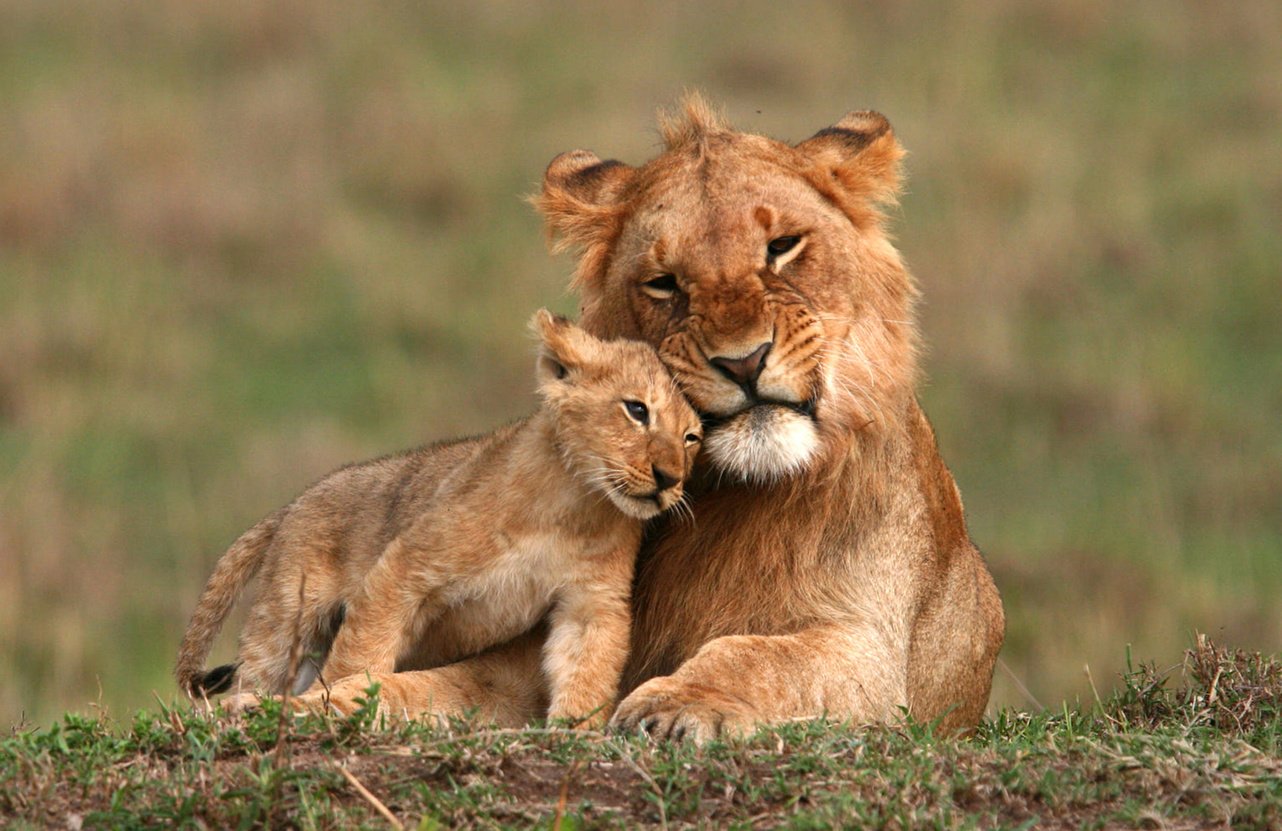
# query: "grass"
[244,243]
[1203,749]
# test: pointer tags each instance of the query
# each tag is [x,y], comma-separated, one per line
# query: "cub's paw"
[238,703]
[665,708]
[345,696]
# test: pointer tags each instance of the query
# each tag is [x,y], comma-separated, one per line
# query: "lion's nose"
[744,371]
[662,479]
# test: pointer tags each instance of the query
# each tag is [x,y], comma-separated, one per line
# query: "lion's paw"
[666,709]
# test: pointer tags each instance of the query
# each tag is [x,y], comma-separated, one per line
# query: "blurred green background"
[244,242]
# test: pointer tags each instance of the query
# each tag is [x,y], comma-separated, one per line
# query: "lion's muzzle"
[765,442]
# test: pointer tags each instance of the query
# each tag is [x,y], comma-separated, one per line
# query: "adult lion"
[827,570]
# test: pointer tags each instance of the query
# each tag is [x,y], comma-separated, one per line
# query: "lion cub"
[473,541]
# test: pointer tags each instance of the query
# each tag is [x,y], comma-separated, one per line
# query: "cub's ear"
[563,347]
[860,155]
[582,205]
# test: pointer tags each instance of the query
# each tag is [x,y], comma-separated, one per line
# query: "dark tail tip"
[217,680]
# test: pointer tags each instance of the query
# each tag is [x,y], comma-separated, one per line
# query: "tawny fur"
[440,553]
[828,571]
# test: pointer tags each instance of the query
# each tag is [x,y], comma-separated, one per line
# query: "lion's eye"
[637,411]
[779,246]
[693,438]
[661,287]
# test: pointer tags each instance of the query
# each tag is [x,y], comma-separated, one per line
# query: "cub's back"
[351,514]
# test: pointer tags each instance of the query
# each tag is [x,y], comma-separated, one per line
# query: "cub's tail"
[234,570]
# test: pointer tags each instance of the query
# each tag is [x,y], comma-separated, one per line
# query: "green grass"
[244,243]
[1198,750]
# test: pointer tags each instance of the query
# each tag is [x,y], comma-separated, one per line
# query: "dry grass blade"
[563,797]
[1032,699]
[370,798]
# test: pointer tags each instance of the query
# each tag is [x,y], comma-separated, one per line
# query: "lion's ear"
[581,204]
[582,176]
[860,154]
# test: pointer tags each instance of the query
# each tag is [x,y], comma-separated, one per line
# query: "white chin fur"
[763,444]
[635,508]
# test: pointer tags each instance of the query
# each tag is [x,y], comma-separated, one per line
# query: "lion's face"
[621,423]
[760,272]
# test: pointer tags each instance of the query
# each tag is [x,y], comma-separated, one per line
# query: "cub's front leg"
[587,644]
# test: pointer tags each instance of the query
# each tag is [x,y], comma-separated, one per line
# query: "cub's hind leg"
[401,595]
[291,626]
[504,685]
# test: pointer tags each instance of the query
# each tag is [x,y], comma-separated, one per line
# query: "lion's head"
[762,273]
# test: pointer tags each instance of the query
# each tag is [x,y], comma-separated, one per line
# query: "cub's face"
[761,274]
[621,422]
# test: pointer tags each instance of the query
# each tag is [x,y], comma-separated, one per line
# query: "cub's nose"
[662,479]
[744,371]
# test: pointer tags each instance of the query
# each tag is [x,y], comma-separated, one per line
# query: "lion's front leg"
[738,682]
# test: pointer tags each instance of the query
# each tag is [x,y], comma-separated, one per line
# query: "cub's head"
[620,420]
[761,273]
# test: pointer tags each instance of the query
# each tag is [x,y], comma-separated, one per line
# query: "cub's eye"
[693,438]
[779,246]
[661,287]
[637,411]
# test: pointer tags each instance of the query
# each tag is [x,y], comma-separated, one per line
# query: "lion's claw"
[670,711]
